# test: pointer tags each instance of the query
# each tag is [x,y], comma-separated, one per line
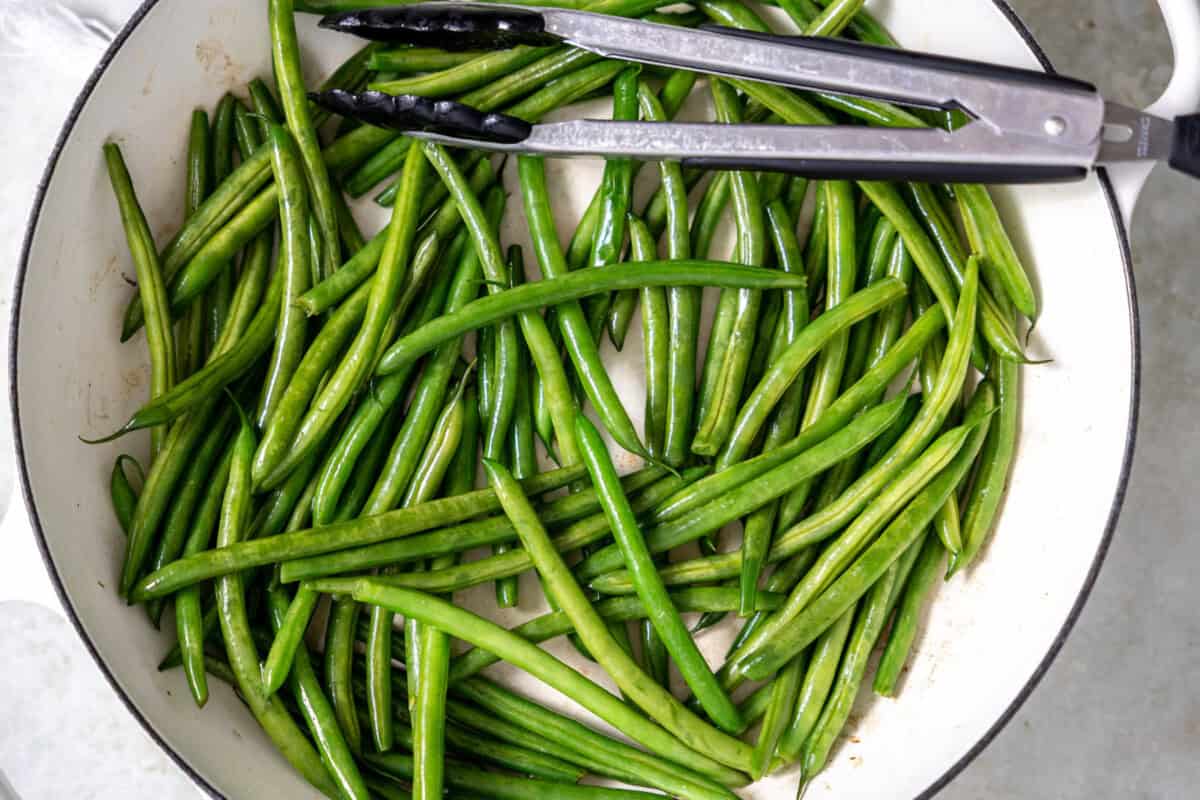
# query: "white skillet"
[990,635]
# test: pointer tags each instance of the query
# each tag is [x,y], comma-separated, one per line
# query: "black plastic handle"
[1185,147]
[407,112]
[894,171]
[913,60]
[448,26]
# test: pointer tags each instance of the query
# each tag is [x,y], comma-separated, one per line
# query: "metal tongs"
[1025,126]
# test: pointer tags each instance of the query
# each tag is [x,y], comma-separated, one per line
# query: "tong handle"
[449,26]
[907,60]
[927,172]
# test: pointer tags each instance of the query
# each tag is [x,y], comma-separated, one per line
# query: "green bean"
[654,596]
[904,626]
[627,608]
[417,59]
[235,626]
[189,342]
[387,161]
[581,345]
[733,352]
[1001,257]
[503,787]
[748,496]
[582,745]
[289,636]
[784,690]
[344,463]
[339,655]
[573,286]
[124,496]
[484,68]
[616,190]
[294,258]
[483,633]
[330,538]
[777,642]
[655,341]
[234,214]
[659,703]
[316,709]
[868,624]
[756,538]
[159,339]
[818,681]
[224,141]
[499,430]
[190,624]
[578,508]
[816,251]
[187,495]
[348,376]
[426,477]
[783,372]
[983,501]
[521,447]
[285,55]
[842,264]
[429,716]
[709,213]
[906,472]
[429,397]
[359,268]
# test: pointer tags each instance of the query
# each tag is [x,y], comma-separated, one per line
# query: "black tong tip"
[407,112]
[449,26]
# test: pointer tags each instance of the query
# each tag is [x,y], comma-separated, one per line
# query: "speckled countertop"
[1117,715]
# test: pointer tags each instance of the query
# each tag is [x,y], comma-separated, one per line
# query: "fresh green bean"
[159,338]
[188,494]
[483,633]
[294,259]
[904,627]
[360,267]
[983,501]
[581,345]
[654,596]
[868,625]
[818,681]
[339,658]
[463,776]
[285,55]
[289,637]
[124,496]
[315,708]
[731,352]
[622,609]
[784,691]
[747,497]
[785,369]
[331,538]
[786,634]
[224,142]
[235,627]
[417,59]
[573,286]
[484,68]
[756,538]
[842,265]
[582,745]
[1001,257]
[191,625]
[348,376]
[578,510]
[189,342]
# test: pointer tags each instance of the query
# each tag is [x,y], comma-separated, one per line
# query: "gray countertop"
[1116,716]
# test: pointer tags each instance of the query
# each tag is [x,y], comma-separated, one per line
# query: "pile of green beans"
[322,405]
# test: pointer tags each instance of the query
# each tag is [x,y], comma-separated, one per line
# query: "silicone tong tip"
[408,112]
[449,26]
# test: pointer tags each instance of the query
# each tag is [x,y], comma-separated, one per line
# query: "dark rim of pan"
[949,774]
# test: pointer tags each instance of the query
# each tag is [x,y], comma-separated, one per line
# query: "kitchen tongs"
[1025,126]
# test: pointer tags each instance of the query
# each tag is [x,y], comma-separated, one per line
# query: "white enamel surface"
[988,632]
